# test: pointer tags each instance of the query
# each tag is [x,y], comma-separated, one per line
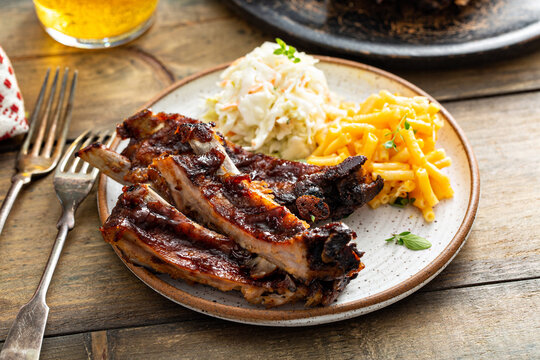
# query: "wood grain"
[110,88]
[482,322]
[502,77]
[190,36]
[22,35]
[482,328]
[214,46]
[503,133]
[484,305]
[93,290]
[100,345]
[83,293]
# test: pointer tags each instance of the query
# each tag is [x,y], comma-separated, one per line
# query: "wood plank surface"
[501,77]
[116,83]
[190,36]
[456,324]
[90,282]
[484,305]
[503,133]
[482,329]
[91,288]
[215,47]
[109,88]
[22,34]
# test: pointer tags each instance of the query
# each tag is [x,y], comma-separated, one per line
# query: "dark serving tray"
[396,31]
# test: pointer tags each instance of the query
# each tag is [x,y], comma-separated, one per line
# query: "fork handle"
[26,334]
[17,183]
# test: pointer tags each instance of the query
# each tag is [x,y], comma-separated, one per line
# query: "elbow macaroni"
[411,169]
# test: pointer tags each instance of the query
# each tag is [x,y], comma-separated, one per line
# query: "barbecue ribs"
[238,208]
[313,193]
[268,252]
[148,232]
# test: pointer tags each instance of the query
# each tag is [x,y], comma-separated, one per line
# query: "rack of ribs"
[236,206]
[258,205]
[313,193]
[149,232]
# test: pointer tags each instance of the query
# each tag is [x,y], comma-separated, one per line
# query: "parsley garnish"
[401,202]
[286,50]
[391,143]
[411,241]
[312,218]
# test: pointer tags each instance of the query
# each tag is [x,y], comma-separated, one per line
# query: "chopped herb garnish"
[401,202]
[312,218]
[410,241]
[391,143]
[286,50]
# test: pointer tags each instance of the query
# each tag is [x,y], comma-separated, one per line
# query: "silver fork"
[72,184]
[39,154]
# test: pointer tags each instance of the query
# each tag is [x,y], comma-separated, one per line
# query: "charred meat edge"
[260,267]
[311,192]
[113,165]
[148,232]
[256,222]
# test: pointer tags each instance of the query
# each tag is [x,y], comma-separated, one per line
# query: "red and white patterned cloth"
[12,117]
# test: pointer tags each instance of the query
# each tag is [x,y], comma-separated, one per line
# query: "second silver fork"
[73,181]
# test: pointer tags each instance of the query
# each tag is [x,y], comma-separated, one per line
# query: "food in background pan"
[431,5]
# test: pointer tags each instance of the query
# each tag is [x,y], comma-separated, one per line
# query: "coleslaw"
[272,104]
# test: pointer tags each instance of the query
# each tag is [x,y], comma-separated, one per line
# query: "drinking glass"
[95,24]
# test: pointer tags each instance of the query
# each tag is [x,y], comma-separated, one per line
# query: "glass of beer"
[95,24]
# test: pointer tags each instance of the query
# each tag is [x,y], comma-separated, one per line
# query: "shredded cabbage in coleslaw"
[272,105]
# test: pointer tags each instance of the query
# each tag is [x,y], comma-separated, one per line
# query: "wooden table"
[486,304]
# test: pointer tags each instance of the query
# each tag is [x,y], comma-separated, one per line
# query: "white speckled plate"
[392,272]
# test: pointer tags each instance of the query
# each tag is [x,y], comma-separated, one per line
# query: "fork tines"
[40,141]
[45,140]
[70,163]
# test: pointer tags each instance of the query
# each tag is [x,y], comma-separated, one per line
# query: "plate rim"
[402,51]
[267,317]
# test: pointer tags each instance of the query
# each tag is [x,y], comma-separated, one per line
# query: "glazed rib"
[148,232]
[237,207]
[320,261]
[309,191]
[106,158]
[329,192]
